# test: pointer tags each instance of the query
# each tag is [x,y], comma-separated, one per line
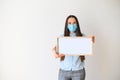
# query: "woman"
[71,67]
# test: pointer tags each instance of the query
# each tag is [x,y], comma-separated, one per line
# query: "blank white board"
[74,45]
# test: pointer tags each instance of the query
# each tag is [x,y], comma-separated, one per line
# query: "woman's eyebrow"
[74,22]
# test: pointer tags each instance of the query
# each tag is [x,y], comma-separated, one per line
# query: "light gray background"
[28,31]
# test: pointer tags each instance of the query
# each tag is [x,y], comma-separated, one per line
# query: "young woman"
[71,67]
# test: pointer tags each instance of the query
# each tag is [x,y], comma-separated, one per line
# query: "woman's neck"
[72,32]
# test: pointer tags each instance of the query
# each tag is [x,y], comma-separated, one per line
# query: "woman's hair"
[78,32]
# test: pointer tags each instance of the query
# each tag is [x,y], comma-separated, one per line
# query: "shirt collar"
[72,34]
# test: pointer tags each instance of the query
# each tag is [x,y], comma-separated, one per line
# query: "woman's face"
[71,21]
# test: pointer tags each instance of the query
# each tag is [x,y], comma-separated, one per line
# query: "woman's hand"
[57,55]
[93,38]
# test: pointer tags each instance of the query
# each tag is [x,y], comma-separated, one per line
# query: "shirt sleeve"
[83,34]
[61,35]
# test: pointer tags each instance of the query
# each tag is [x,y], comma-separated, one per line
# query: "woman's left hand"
[93,38]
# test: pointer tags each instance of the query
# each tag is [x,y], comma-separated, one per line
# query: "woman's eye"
[74,22]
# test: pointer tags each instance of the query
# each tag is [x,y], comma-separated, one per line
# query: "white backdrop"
[28,31]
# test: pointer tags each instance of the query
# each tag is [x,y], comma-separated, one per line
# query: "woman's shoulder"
[61,35]
[83,34]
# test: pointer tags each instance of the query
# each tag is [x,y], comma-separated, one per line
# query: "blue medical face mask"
[72,27]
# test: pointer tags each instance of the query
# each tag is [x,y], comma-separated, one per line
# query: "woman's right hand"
[57,55]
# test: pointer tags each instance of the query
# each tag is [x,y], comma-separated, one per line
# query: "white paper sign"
[74,45]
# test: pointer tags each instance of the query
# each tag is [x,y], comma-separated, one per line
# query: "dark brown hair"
[78,32]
